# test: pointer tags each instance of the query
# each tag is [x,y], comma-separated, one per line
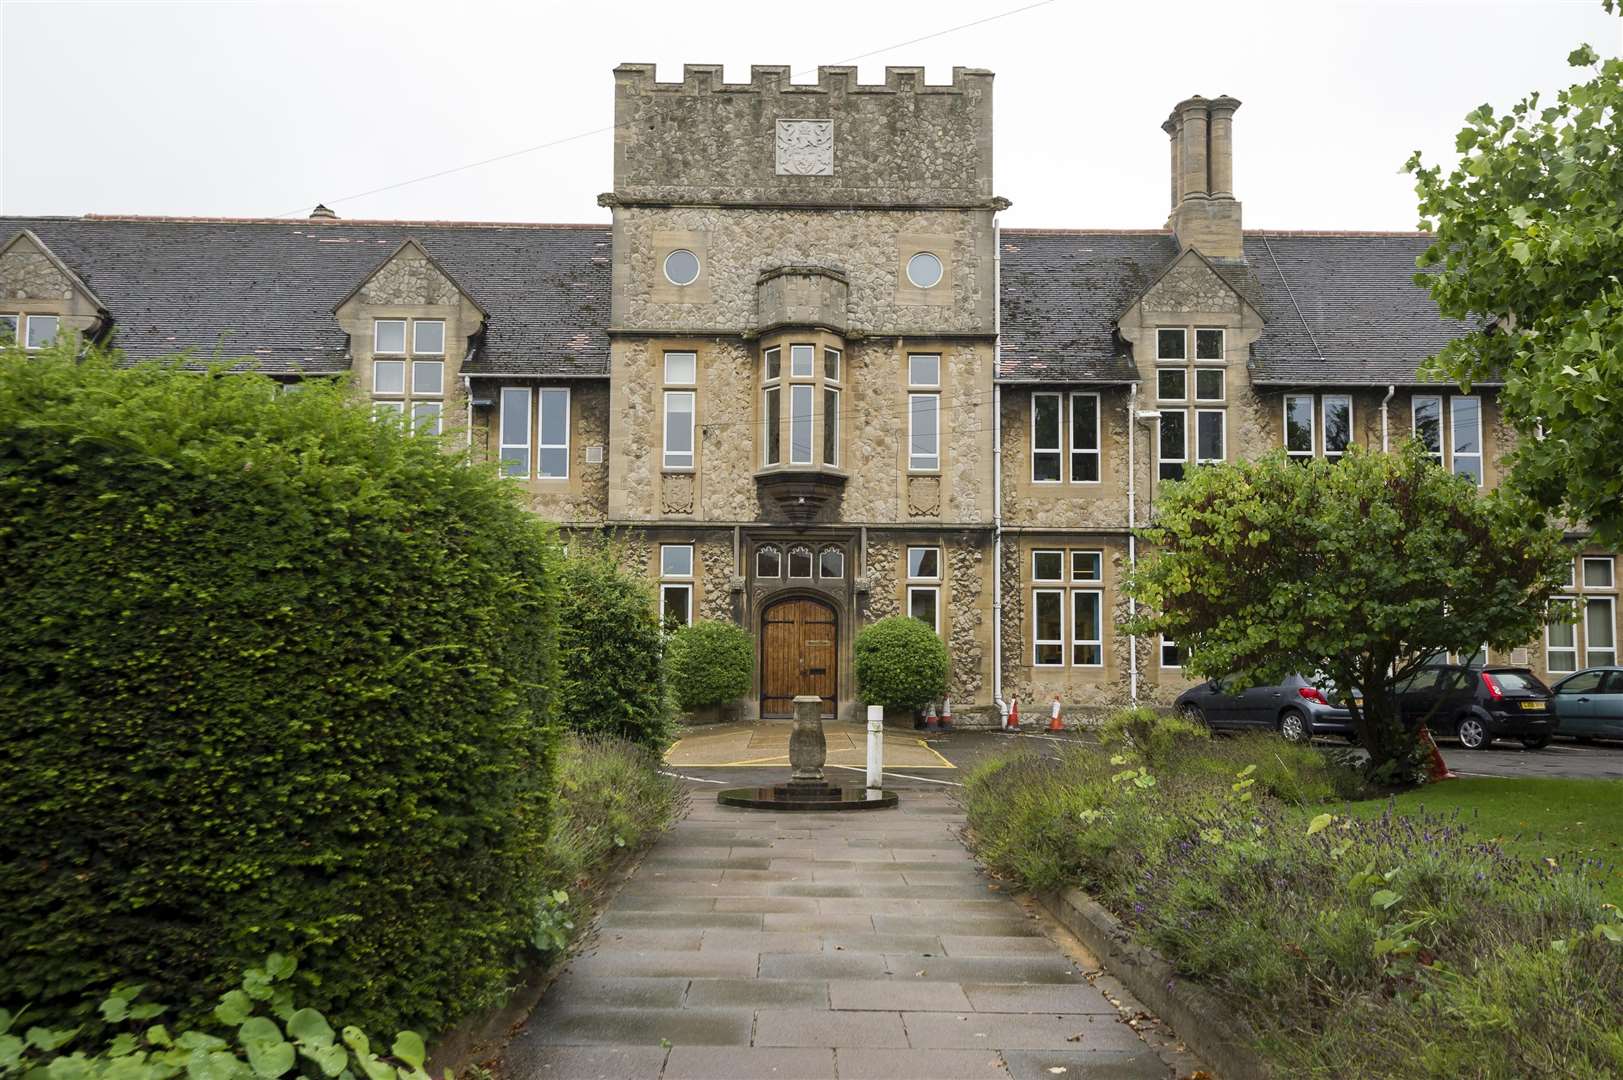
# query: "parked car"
[1589,704]
[1297,708]
[1479,704]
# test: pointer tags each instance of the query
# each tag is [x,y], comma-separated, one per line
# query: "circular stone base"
[801,795]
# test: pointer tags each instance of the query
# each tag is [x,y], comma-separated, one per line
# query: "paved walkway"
[766,743]
[759,944]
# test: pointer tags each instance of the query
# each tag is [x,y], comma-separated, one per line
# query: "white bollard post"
[876,745]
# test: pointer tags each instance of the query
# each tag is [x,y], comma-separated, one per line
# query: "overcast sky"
[263,108]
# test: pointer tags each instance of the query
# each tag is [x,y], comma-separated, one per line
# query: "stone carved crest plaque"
[805,148]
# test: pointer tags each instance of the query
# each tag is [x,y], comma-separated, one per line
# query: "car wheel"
[1192,713]
[1473,733]
[1293,726]
[1535,742]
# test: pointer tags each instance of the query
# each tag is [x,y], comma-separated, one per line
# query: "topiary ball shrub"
[900,663]
[710,663]
[277,677]
[611,648]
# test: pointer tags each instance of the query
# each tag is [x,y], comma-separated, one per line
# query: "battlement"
[776,79]
[772,142]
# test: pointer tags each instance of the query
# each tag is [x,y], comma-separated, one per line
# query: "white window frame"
[789,562]
[1211,368]
[934,592]
[501,430]
[417,350]
[1057,451]
[1573,649]
[541,442]
[839,361]
[776,549]
[692,452]
[404,338]
[28,332]
[923,577]
[665,572]
[772,425]
[933,384]
[1592,603]
[809,351]
[16,322]
[438,414]
[1453,438]
[389,406]
[1324,424]
[1222,415]
[1036,553]
[1312,425]
[404,382]
[665,266]
[1160,460]
[1222,345]
[1165,642]
[426,364]
[1184,359]
[838,551]
[1099,642]
[1611,571]
[831,424]
[1097,453]
[692,357]
[808,393]
[930,462]
[1099,564]
[1037,642]
[1180,372]
[683,587]
[1414,425]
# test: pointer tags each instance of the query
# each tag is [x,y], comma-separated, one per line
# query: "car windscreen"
[1519,680]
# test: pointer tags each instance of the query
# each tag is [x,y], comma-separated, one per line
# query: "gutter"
[997,475]
[1390,390]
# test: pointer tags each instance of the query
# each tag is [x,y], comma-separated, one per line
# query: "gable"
[409,278]
[30,271]
[1191,283]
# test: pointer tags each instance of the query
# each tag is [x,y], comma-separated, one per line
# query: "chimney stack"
[1205,214]
[322,212]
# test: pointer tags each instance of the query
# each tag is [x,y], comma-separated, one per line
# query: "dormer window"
[428,337]
[404,384]
[388,337]
[42,330]
[806,387]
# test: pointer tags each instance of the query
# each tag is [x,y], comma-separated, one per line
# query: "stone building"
[811,383]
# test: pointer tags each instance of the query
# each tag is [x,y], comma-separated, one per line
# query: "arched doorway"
[799,655]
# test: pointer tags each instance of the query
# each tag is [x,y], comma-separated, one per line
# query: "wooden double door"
[800,652]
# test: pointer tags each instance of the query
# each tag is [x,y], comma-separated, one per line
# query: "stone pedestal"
[808,748]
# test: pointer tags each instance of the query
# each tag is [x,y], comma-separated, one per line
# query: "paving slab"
[824,1027]
[750,1063]
[868,1064]
[836,946]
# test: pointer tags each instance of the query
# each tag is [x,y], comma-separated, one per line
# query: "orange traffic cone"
[1054,722]
[1014,716]
[1439,768]
[930,722]
[946,715]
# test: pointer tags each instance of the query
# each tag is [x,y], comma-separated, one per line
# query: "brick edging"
[1205,1024]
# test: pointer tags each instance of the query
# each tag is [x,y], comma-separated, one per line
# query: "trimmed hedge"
[900,663]
[611,648]
[710,663]
[277,677]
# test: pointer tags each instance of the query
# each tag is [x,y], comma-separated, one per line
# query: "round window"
[681,267]
[924,270]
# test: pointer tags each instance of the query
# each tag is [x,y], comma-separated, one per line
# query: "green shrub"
[611,648]
[710,663]
[900,663]
[1155,735]
[253,1033]
[277,676]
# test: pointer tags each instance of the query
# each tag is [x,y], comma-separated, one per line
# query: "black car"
[1297,708]
[1479,704]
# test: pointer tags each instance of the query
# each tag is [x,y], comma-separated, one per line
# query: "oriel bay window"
[803,396]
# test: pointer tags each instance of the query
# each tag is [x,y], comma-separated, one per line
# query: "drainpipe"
[1132,533]
[997,475]
[467,408]
[1390,390]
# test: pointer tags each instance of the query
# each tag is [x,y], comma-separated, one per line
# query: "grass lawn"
[1564,820]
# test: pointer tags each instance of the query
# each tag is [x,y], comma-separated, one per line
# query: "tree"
[1361,569]
[1529,242]
[901,663]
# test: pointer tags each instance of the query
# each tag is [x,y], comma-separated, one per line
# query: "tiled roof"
[1339,308]
[267,289]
